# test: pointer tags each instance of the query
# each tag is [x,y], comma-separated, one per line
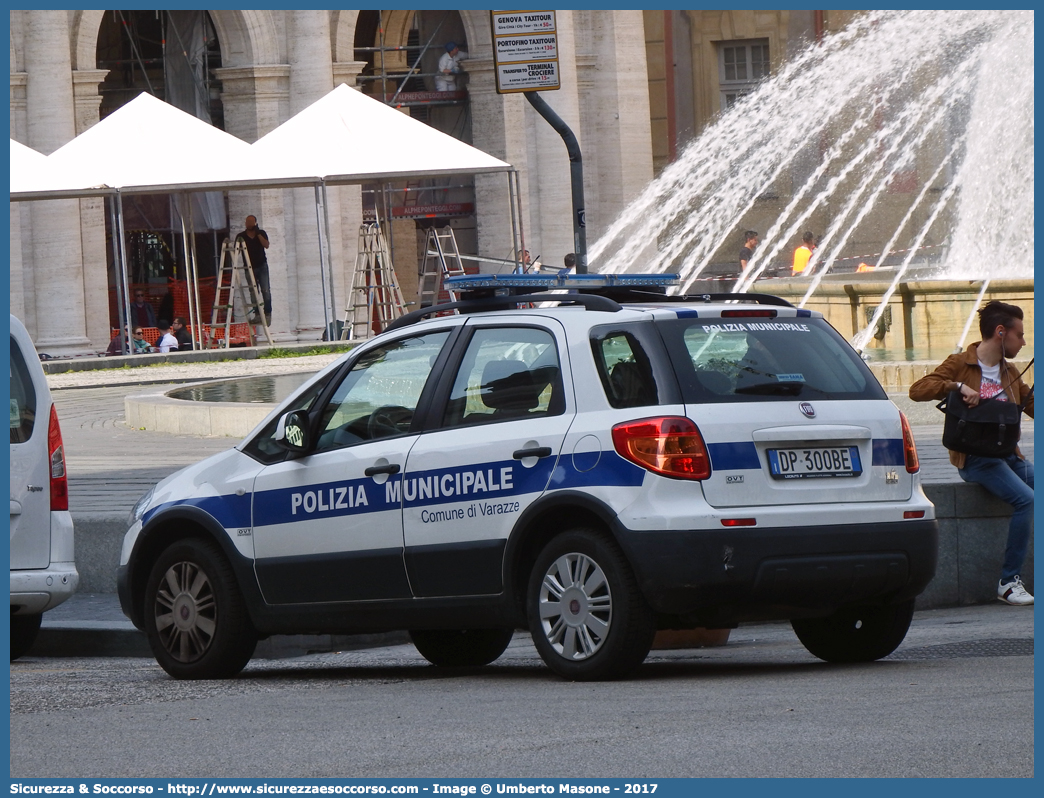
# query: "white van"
[43,571]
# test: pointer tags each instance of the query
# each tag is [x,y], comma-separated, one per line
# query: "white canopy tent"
[145,146]
[348,138]
[343,138]
[29,168]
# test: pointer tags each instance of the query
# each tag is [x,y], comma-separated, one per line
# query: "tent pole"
[329,260]
[198,325]
[319,211]
[521,225]
[125,270]
[514,215]
[121,319]
[188,267]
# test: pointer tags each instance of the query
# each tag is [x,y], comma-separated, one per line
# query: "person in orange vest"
[802,254]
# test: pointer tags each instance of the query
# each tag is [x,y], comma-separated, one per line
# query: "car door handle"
[537,451]
[391,468]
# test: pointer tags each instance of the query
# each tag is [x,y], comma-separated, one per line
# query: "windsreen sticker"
[790,377]
[16,415]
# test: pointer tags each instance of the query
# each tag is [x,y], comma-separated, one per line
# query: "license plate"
[834,461]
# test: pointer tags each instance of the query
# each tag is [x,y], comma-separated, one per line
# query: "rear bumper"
[718,578]
[36,591]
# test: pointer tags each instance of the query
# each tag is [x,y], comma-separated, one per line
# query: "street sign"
[525,50]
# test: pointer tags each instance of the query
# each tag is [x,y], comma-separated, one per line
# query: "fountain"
[909,134]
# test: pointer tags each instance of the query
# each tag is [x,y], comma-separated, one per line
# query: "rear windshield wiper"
[772,388]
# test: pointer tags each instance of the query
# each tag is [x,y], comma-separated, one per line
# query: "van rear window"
[758,360]
[23,397]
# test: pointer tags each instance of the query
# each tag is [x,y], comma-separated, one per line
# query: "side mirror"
[292,431]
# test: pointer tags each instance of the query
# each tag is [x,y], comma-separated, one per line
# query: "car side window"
[23,397]
[625,370]
[507,373]
[378,396]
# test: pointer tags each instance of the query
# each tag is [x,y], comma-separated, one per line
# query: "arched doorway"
[172,55]
[401,49]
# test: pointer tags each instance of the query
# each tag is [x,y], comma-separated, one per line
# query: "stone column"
[498,128]
[311,77]
[92,219]
[21,218]
[616,114]
[350,199]
[57,261]
[256,100]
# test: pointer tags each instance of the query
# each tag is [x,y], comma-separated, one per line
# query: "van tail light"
[56,455]
[913,465]
[670,446]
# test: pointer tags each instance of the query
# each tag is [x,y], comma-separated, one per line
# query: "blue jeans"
[264,286]
[1010,479]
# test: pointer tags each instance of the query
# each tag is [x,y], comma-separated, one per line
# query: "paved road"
[956,699]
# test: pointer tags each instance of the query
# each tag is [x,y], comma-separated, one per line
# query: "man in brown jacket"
[982,371]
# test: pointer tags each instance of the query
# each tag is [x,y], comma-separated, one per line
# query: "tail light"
[670,446]
[913,465]
[56,455]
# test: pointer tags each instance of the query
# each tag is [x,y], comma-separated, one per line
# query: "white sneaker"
[1014,592]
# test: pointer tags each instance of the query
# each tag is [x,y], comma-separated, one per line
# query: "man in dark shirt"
[182,334]
[256,241]
[747,252]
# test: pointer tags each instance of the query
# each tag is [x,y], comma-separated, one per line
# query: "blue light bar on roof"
[540,282]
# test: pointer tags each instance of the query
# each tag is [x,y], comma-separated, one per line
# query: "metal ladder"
[441,260]
[375,296]
[238,292]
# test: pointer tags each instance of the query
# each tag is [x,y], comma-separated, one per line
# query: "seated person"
[182,334]
[166,342]
[140,345]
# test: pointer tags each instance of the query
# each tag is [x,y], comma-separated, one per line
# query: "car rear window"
[23,397]
[765,359]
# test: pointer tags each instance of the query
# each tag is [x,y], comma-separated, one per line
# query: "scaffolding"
[396,75]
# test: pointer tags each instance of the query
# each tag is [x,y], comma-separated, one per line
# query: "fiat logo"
[807,409]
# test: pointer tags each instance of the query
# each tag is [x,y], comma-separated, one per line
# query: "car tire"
[856,634]
[461,648]
[24,629]
[588,618]
[195,618]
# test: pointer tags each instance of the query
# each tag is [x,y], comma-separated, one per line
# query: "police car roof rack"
[619,287]
[605,292]
[485,303]
[759,299]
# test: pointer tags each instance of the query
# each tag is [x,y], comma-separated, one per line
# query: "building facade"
[265,66]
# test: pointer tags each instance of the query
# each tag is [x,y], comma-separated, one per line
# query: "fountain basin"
[214,408]
[923,320]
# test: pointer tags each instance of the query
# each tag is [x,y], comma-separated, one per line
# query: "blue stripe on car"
[888,452]
[734,456]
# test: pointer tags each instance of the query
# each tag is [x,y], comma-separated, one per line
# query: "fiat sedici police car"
[591,465]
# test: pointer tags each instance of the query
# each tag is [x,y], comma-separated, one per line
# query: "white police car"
[610,462]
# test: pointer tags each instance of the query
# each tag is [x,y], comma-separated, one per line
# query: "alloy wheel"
[576,606]
[185,611]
